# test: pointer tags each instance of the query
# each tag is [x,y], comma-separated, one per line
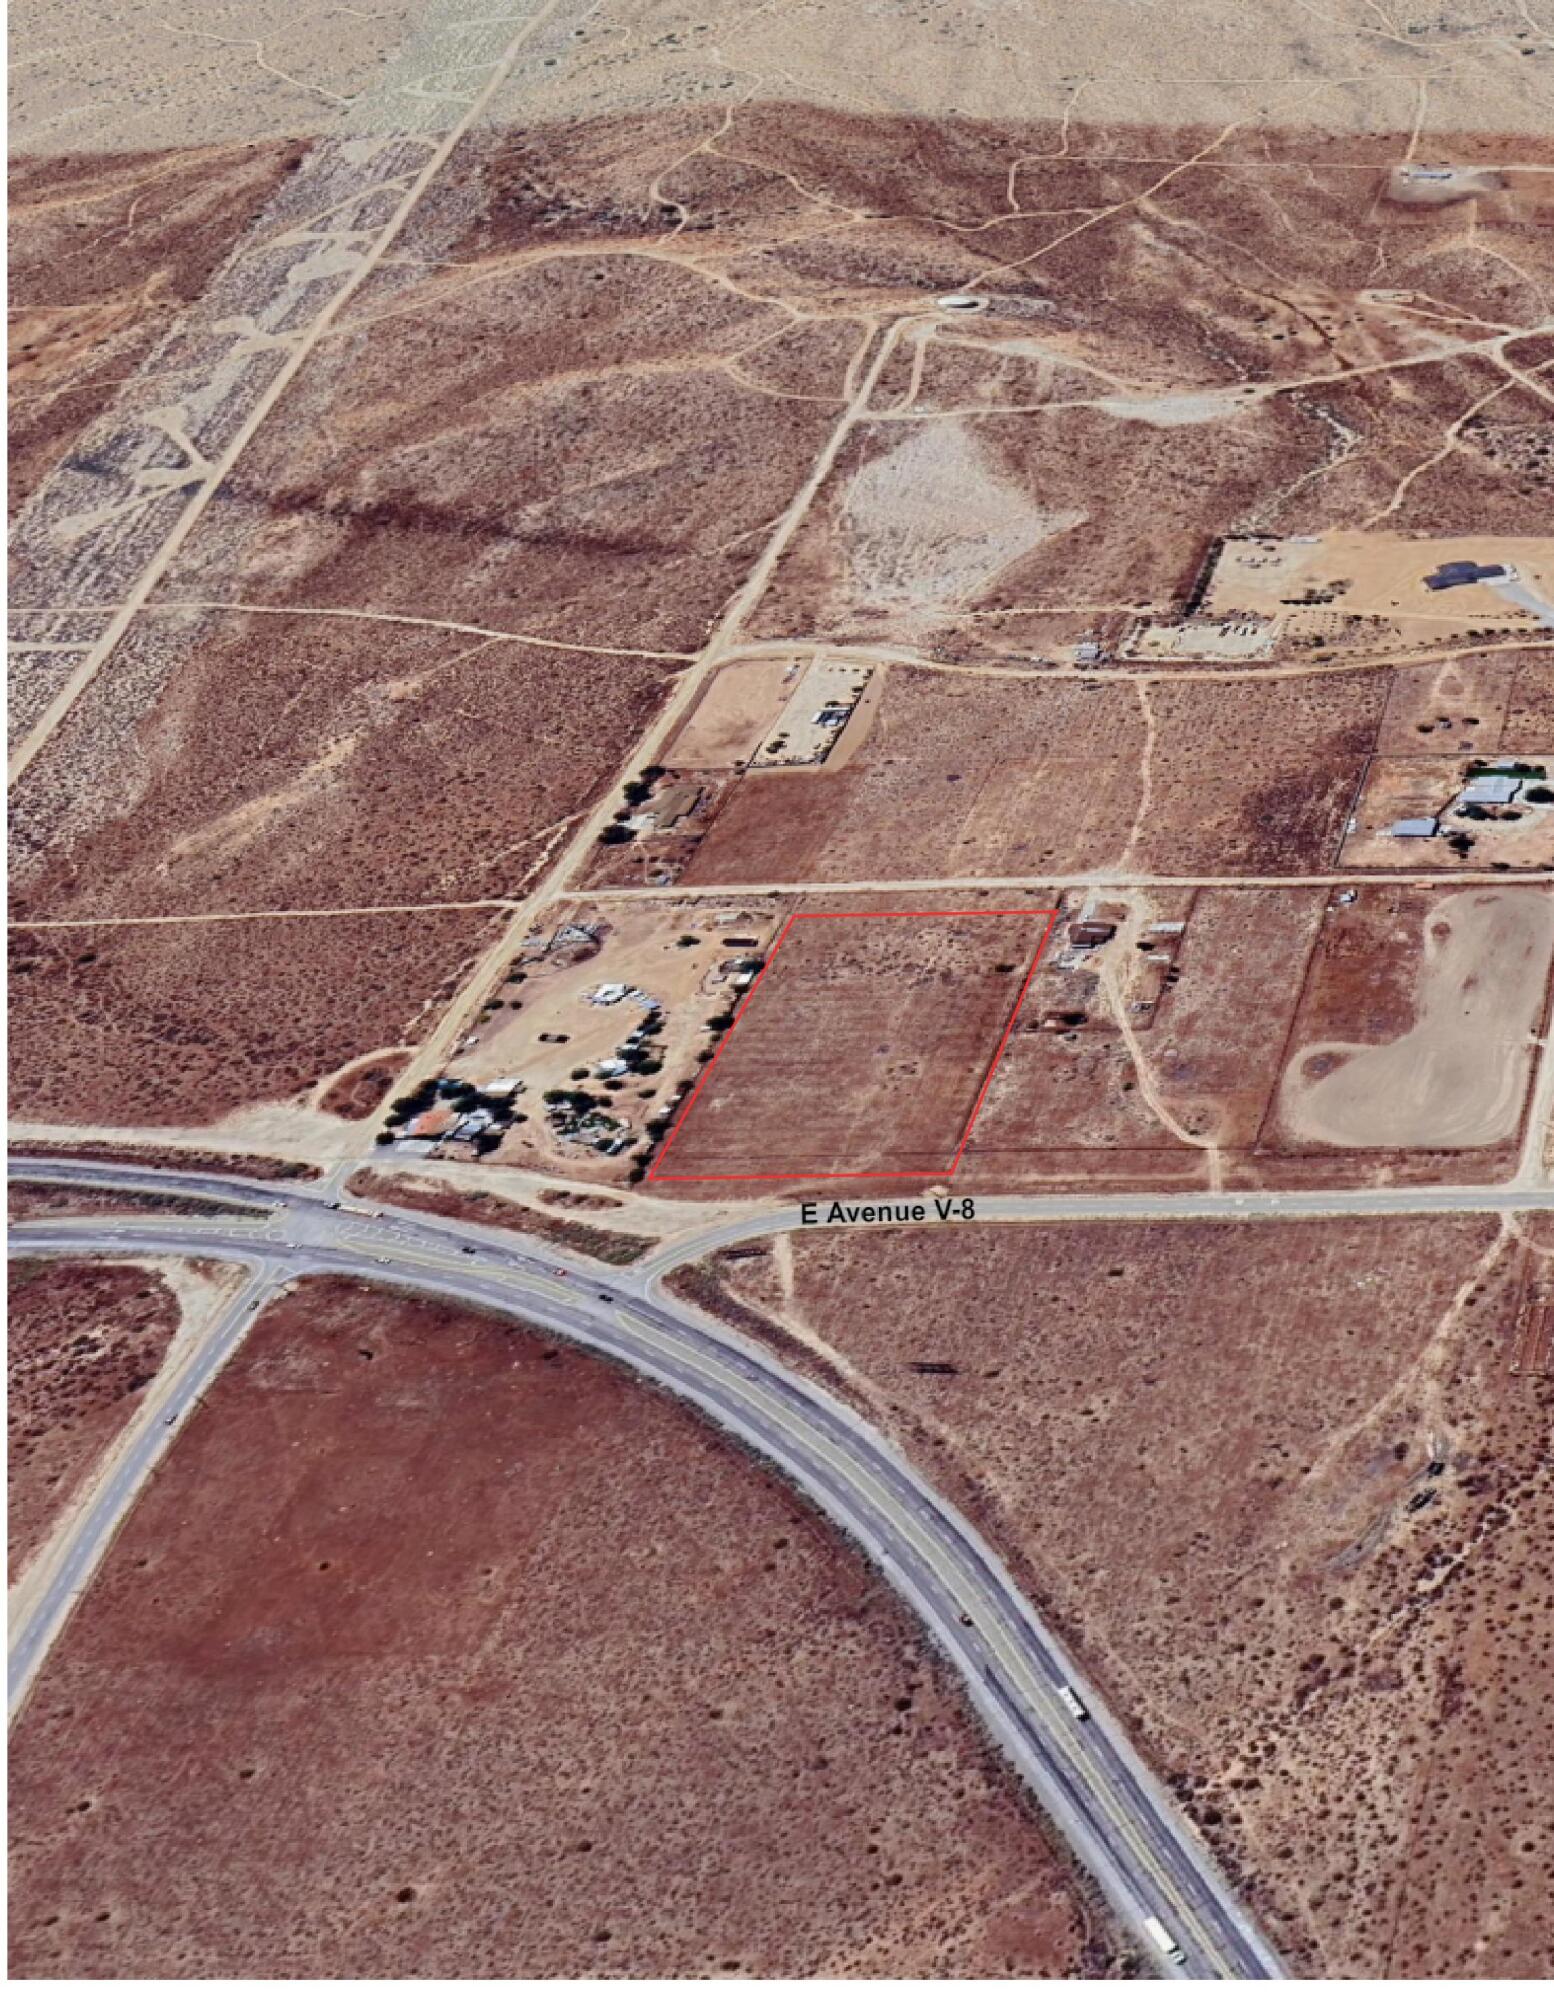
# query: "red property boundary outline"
[656,1173]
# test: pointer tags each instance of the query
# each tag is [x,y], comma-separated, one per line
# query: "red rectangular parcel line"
[656,1172]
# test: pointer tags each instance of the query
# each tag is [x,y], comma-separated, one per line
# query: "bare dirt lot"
[182,1023]
[864,1048]
[390,1684]
[84,1340]
[1284,1493]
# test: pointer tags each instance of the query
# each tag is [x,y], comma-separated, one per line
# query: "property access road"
[1124,1828]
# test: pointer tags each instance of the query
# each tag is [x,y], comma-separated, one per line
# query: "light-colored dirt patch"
[1457,1077]
[732,719]
[1213,407]
[1421,186]
[1201,639]
[931,523]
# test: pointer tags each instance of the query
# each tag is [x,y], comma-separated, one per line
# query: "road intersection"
[1140,1850]
[1142,1853]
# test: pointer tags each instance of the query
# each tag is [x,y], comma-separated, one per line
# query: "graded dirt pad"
[106,250]
[1441,1058]
[451,1680]
[1279,1487]
[413,765]
[84,1341]
[863,1048]
[966,774]
[177,1024]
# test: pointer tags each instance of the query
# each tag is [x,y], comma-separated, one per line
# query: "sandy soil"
[390,1683]
[1112,63]
[98,77]
[84,1340]
[733,718]
[1281,1490]
[930,524]
[1458,1075]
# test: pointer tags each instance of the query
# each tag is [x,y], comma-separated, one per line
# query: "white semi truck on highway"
[1162,1939]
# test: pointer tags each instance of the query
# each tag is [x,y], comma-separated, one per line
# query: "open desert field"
[84,1340]
[1281,1487]
[415,766]
[389,1683]
[184,1023]
[862,1049]
[985,773]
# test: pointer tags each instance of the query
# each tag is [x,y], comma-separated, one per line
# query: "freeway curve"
[1126,1831]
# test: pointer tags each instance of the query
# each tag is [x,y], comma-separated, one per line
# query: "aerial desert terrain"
[628,617]
[85,1339]
[1315,1571]
[631,1713]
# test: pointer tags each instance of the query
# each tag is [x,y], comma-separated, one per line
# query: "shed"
[1414,829]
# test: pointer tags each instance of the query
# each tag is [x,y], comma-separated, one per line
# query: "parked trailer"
[1072,1703]
[1162,1939]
